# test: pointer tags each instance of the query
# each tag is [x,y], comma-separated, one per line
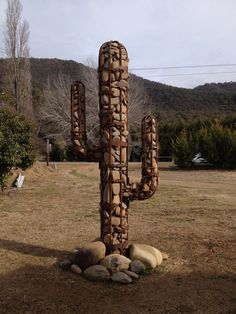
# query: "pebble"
[121,277]
[76,269]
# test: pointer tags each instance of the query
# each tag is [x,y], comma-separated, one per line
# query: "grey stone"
[137,266]
[121,277]
[131,274]
[97,273]
[65,264]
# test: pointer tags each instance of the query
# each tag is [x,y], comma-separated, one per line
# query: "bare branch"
[16,37]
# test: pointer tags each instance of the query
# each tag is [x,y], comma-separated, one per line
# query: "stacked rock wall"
[113,100]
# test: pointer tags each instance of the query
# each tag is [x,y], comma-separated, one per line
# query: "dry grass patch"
[192,218]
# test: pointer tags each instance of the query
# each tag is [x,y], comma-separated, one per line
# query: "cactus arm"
[78,124]
[149,182]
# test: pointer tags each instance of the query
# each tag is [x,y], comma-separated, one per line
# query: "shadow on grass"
[37,289]
[30,249]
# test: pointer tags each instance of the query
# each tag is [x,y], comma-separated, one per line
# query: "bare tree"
[55,111]
[17,51]
[139,101]
[90,79]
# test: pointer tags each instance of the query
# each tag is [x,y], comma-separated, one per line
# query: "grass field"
[191,218]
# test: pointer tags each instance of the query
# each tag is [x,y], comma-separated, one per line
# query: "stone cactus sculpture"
[112,151]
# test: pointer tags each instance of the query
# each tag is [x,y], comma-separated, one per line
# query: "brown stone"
[105,75]
[154,163]
[106,194]
[105,99]
[117,75]
[148,255]
[113,78]
[101,59]
[76,115]
[115,175]
[115,64]
[116,188]
[76,269]
[124,109]
[115,262]
[115,92]
[115,241]
[145,188]
[108,158]
[115,221]
[120,212]
[124,75]
[107,239]
[123,83]
[90,254]
[123,155]
[105,137]
[115,100]
[105,89]
[105,214]
[116,199]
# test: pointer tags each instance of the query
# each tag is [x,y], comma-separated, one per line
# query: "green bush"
[214,139]
[184,149]
[218,144]
[16,146]
[59,150]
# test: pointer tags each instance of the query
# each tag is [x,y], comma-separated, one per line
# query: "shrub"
[215,141]
[16,147]
[59,150]
[184,149]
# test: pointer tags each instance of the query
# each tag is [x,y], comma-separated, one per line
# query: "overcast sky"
[156,33]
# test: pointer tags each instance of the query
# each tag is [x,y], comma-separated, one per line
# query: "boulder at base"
[97,273]
[121,277]
[89,255]
[137,267]
[148,255]
[116,262]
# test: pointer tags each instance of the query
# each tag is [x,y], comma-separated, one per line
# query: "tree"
[184,149]
[16,147]
[55,110]
[17,51]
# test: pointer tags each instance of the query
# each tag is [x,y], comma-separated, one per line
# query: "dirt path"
[192,218]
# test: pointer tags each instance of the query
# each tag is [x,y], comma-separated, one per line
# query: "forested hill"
[206,100]
[168,102]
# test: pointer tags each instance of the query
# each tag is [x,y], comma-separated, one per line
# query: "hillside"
[169,102]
